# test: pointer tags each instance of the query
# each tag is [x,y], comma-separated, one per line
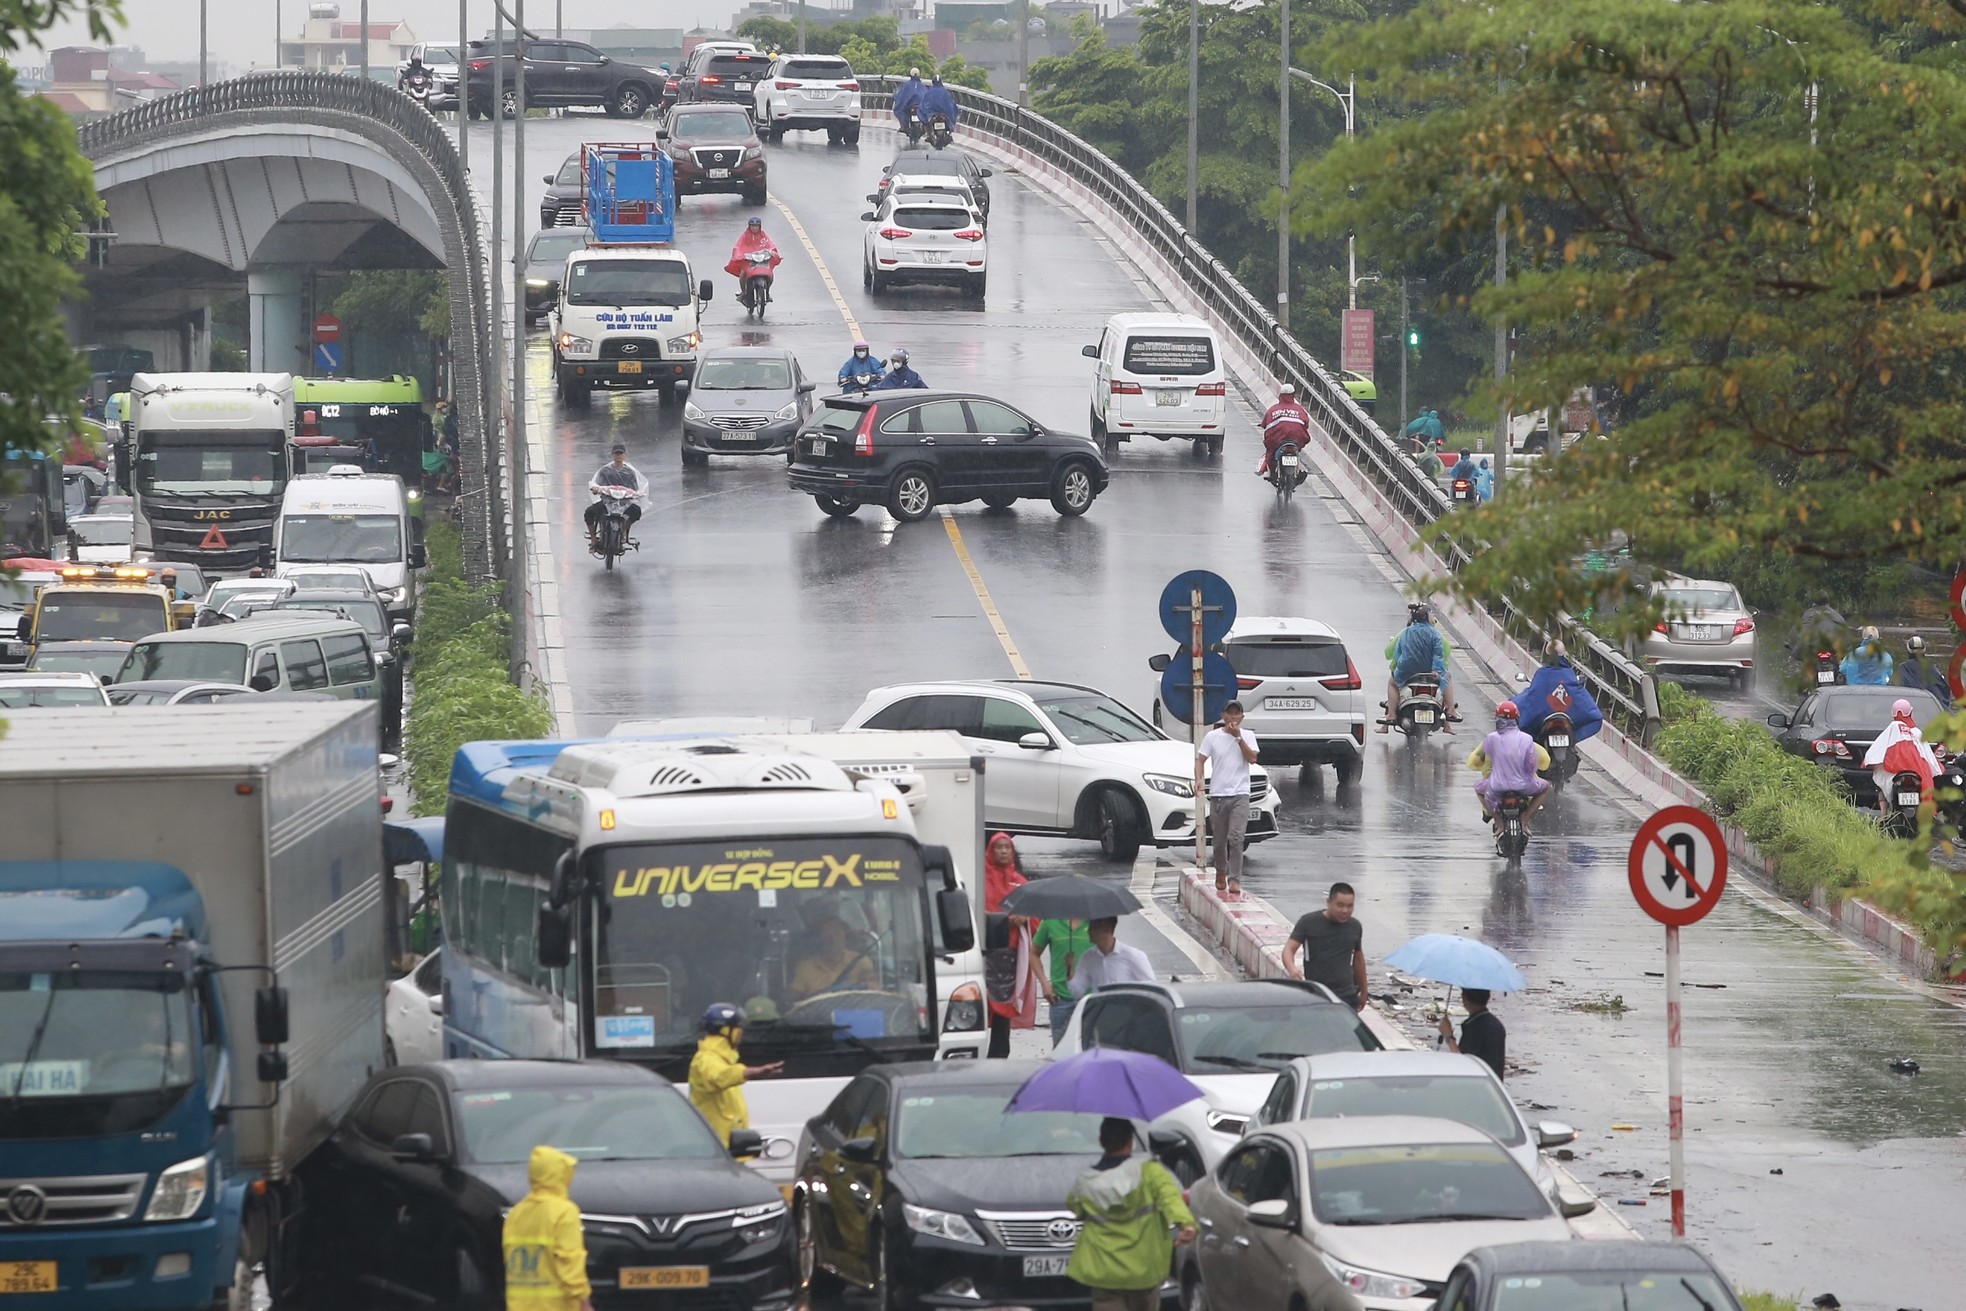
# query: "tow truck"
[100,603]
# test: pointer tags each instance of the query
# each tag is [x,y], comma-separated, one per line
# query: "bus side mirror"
[270,1015]
[554,937]
[958,931]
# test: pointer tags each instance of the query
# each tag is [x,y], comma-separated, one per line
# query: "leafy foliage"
[872,45]
[395,303]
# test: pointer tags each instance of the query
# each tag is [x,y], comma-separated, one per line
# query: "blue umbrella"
[1461,962]
[1106,1081]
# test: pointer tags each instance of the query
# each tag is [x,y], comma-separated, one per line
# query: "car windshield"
[206,662]
[1169,354]
[14,696]
[591,1123]
[369,614]
[825,70]
[1694,600]
[1291,658]
[325,579]
[1472,1100]
[554,247]
[434,55]
[1089,719]
[84,613]
[1421,1183]
[569,172]
[1223,1039]
[102,532]
[78,662]
[1613,1290]
[360,538]
[1870,707]
[934,220]
[628,282]
[702,126]
[140,696]
[935,1124]
[939,164]
[723,373]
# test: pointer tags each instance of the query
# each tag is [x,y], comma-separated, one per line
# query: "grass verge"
[463,691]
[1768,1302]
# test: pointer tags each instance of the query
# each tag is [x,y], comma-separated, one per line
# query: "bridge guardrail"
[1626,692]
[420,143]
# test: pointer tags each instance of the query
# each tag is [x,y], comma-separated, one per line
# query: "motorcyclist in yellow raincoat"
[545,1255]
[716,1075]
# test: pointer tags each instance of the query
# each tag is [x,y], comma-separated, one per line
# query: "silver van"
[279,651]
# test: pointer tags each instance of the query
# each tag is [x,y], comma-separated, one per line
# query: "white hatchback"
[924,239]
[817,93]
[1066,761]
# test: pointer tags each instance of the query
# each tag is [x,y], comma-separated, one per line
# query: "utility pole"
[276,35]
[365,40]
[1405,351]
[464,92]
[516,452]
[802,26]
[1283,180]
[201,42]
[559,18]
[1501,347]
[1024,53]
[1194,96]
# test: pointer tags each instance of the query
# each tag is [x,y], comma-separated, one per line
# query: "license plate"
[1044,1266]
[1824,676]
[931,257]
[1559,739]
[39,1276]
[1169,397]
[665,1276]
[719,172]
[1908,798]
[1423,716]
[1288,461]
[629,366]
[739,436]
[1705,632]
[1289,703]
[743,86]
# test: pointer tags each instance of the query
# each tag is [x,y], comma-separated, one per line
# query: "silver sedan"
[1707,629]
[746,400]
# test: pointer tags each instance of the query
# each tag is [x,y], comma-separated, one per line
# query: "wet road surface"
[745,599]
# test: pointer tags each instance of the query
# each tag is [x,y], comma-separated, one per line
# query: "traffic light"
[1413,342]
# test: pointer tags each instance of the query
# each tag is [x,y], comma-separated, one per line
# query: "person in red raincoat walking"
[1010,974]
[742,266]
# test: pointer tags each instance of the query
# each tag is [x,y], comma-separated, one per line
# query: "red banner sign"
[1358,342]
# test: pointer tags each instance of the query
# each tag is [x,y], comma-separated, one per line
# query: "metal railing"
[406,132]
[1626,692]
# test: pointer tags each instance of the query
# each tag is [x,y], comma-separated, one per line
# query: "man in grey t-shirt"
[1332,945]
[1229,750]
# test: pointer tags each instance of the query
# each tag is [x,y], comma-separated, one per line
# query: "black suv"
[922,162]
[911,451]
[562,73]
[565,195]
[725,77]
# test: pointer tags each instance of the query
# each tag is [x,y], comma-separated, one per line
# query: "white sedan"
[924,239]
[413,1022]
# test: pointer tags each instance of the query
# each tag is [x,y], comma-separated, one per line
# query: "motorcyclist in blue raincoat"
[1576,700]
[908,96]
[1484,481]
[1416,649]
[899,375]
[938,99]
[1868,664]
[861,370]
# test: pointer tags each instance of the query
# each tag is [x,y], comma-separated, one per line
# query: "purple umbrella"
[1106,1081]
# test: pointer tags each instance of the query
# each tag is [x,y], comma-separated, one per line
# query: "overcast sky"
[241,31]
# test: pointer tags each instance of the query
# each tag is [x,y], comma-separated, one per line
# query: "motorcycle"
[1826,672]
[1419,707]
[1512,838]
[1286,472]
[912,127]
[861,380]
[417,86]
[1906,793]
[756,293]
[612,539]
[1462,491]
[1554,736]
[939,132]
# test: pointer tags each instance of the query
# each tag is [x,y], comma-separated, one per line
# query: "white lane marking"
[1145,867]
[825,274]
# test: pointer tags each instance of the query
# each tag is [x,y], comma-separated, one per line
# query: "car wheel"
[1072,491]
[1099,431]
[851,136]
[508,104]
[695,459]
[1214,447]
[999,500]
[757,197]
[1184,1165]
[1194,1297]
[866,275]
[911,496]
[1347,771]
[820,1283]
[876,282]
[667,391]
[835,507]
[629,102]
[978,286]
[1117,826]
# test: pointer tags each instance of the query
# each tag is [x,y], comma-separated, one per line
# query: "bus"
[33,515]
[597,897]
[377,423]
[212,453]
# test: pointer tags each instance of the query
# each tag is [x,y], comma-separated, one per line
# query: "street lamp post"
[1283,178]
[1347,101]
[365,40]
[1194,95]
[201,42]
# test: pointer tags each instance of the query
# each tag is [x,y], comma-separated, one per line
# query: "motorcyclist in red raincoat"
[1286,421]
[742,265]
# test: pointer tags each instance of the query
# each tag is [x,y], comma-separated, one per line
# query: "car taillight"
[1660,628]
[970,234]
[863,437]
[1124,388]
[849,86]
[1743,626]
[480,65]
[1829,746]
[895,234]
[786,86]
[710,79]
[1246,683]
[1212,389]
[1351,682]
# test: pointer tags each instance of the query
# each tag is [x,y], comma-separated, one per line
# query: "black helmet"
[619,449]
[722,1015]
[1419,612]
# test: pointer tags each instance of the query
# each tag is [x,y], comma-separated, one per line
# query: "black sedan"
[1535,1276]
[915,1184]
[406,1197]
[913,450]
[546,264]
[1834,726]
[565,194]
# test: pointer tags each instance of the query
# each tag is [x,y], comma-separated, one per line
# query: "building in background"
[325,41]
[90,81]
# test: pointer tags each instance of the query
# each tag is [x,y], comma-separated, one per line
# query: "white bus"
[598,897]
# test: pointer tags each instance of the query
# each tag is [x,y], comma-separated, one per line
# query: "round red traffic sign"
[1678,865]
[1959,598]
[1956,675]
[327,328]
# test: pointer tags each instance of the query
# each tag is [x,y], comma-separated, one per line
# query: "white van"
[1159,375]
[347,516]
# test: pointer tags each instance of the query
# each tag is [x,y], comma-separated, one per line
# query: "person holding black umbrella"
[1110,960]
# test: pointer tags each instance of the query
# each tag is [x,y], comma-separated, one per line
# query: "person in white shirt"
[1229,750]
[1110,960]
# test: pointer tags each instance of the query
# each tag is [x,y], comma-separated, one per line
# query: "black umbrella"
[1070,897]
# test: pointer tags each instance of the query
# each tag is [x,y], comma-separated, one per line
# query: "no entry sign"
[327,328]
[1678,866]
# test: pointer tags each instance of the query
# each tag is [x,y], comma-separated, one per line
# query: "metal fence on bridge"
[1626,691]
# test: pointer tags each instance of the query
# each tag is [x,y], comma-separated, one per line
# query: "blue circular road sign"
[1177,686]
[1218,601]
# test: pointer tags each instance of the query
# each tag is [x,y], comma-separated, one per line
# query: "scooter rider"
[861,370]
[908,96]
[1508,760]
[617,472]
[1417,649]
[1917,671]
[1285,422]
[1556,686]
[752,240]
[899,375]
[937,99]
[1868,663]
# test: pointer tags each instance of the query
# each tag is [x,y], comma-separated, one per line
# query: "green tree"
[771,33]
[957,71]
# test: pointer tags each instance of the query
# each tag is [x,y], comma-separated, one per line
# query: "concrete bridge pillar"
[278,328]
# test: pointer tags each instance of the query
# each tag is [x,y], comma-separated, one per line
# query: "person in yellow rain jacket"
[716,1075]
[545,1255]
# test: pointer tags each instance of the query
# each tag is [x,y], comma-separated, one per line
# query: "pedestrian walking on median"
[1483,1035]
[1110,960]
[1067,941]
[717,1076]
[1133,1219]
[1228,750]
[545,1250]
[1332,945]
[1010,972]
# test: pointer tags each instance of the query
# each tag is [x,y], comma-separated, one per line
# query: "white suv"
[1300,692]
[1065,761]
[816,93]
[925,238]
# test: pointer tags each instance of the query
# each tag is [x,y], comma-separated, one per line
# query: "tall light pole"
[1347,101]
[516,452]
[1194,96]
[201,42]
[1283,178]
[276,34]
[1501,347]
[464,92]
[802,26]
[365,40]
[1024,52]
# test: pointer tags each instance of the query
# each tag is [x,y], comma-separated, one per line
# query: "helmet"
[722,1015]
[1915,644]
[900,354]
[937,79]
[860,344]
[619,449]
[1869,633]
[1901,709]
[755,222]
[1419,612]
[914,72]
[1288,389]
[1507,710]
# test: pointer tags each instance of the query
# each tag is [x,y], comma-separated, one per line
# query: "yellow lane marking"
[1017,665]
[825,274]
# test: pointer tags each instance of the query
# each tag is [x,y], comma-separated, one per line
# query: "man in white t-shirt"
[1229,750]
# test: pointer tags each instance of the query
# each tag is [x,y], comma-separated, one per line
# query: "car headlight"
[1372,1283]
[756,1224]
[394,595]
[572,345]
[684,345]
[1225,1122]
[789,412]
[539,282]
[753,152]
[1172,784]
[690,411]
[412,494]
[941,1224]
[180,1190]
[965,1010]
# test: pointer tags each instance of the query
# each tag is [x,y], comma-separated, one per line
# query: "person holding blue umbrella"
[1483,1035]
[1479,971]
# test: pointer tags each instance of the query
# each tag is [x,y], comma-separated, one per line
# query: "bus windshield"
[820,939]
[174,463]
